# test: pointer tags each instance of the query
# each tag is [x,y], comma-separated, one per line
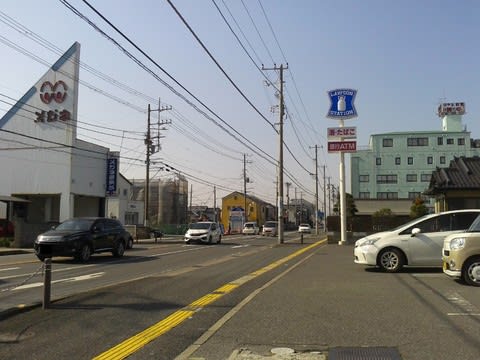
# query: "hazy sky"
[403,57]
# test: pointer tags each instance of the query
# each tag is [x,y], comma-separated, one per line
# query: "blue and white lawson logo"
[341,104]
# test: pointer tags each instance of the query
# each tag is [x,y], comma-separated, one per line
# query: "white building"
[43,162]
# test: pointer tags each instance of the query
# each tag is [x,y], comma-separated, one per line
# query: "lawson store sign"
[342,104]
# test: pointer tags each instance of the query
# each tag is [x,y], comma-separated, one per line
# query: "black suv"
[81,237]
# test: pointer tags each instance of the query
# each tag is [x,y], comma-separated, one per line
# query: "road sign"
[342,146]
[341,104]
[342,132]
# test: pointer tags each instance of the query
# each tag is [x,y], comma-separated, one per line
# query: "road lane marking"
[462,303]
[72,279]
[135,343]
[10,269]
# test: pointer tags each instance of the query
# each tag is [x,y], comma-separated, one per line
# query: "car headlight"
[457,243]
[367,242]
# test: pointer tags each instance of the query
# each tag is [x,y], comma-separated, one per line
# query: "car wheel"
[210,240]
[119,249]
[391,260]
[130,243]
[84,253]
[187,242]
[471,271]
[219,239]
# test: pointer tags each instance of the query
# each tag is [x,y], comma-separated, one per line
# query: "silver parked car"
[416,243]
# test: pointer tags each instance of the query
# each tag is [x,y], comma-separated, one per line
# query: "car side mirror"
[415,231]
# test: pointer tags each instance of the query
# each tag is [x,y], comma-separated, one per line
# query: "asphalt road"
[238,300]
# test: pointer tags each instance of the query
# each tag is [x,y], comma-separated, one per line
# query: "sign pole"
[342,108]
[343,202]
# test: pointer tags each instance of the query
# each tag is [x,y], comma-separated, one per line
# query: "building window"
[461,141]
[125,192]
[442,160]
[449,141]
[410,160]
[387,142]
[378,161]
[425,177]
[387,195]
[411,177]
[364,195]
[423,141]
[397,161]
[413,195]
[386,179]
[364,178]
[430,160]
[440,141]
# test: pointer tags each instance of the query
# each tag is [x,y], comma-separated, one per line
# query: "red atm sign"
[342,146]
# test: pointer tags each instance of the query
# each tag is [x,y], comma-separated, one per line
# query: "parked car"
[250,228]
[82,237]
[461,255]
[204,232]
[270,228]
[416,243]
[304,228]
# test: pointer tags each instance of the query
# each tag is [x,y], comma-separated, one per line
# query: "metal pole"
[148,142]
[316,190]
[343,202]
[47,283]
[280,162]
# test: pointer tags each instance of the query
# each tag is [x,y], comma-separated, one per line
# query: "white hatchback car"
[304,228]
[250,228]
[203,231]
[416,243]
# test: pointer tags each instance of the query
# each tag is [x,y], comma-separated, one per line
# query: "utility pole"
[215,203]
[245,188]
[288,184]
[151,149]
[316,189]
[324,201]
[280,155]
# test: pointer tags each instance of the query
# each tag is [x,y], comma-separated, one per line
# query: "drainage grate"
[364,353]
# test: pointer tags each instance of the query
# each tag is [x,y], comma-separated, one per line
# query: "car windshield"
[304,225]
[270,224]
[199,226]
[411,222]
[475,227]
[76,224]
[249,225]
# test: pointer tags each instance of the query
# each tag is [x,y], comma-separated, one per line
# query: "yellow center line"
[136,342]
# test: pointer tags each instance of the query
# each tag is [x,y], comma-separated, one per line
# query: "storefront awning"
[12,199]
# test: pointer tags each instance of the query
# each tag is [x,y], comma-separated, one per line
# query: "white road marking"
[77,278]
[10,269]
[457,300]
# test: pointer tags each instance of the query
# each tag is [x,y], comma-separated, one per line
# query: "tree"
[385,212]
[418,208]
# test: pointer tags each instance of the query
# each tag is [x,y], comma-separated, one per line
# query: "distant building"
[458,186]
[399,165]
[168,199]
[234,214]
